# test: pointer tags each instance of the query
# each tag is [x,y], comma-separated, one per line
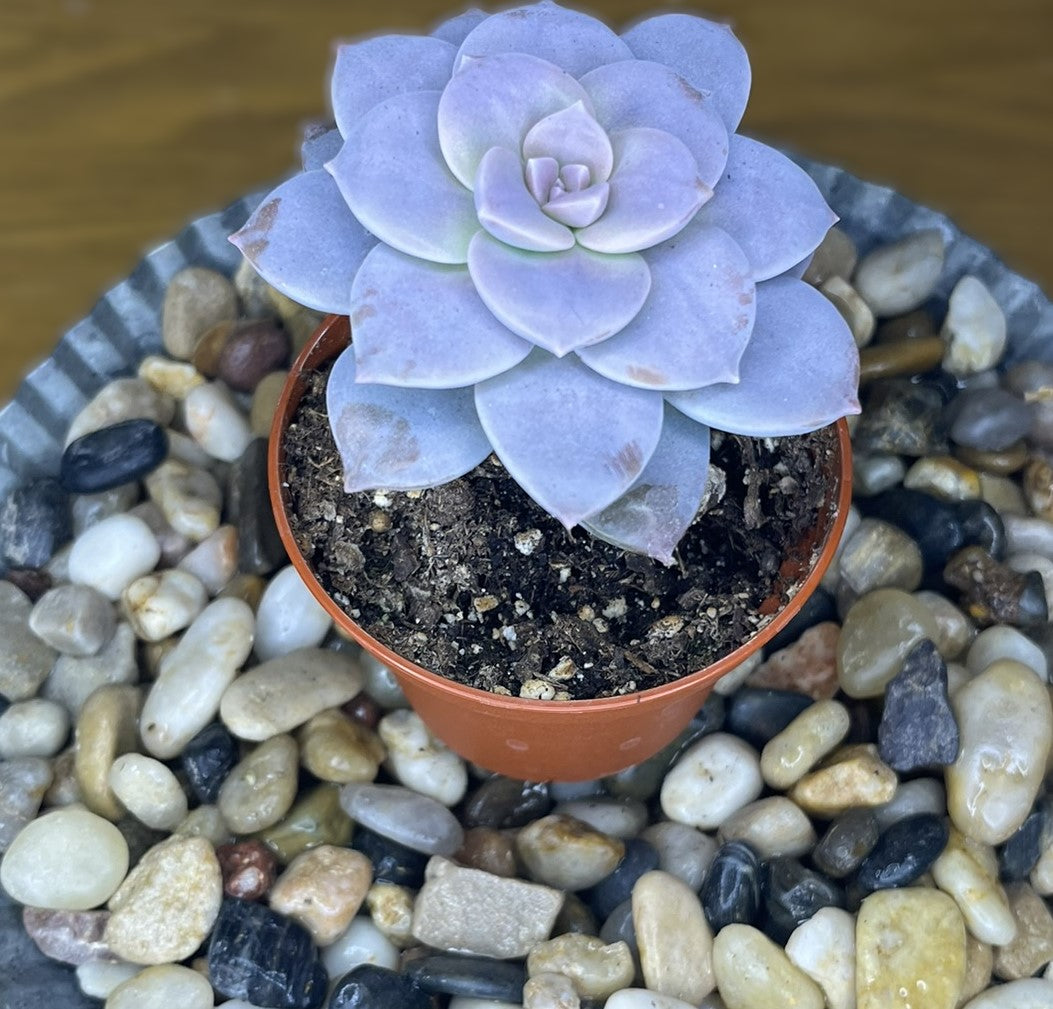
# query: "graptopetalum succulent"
[553,246]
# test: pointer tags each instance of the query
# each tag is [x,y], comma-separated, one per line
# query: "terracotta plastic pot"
[550,740]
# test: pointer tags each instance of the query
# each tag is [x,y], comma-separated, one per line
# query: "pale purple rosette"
[553,246]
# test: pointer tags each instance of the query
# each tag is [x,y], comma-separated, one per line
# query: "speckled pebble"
[72,937]
[808,665]
[880,556]
[596,969]
[714,779]
[853,776]
[968,871]
[260,789]
[1032,946]
[419,760]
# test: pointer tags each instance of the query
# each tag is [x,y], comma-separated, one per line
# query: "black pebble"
[472,976]
[371,987]
[640,857]
[918,728]
[983,527]
[264,958]
[207,760]
[392,862]
[34,522]
[1018,855]
[847,841]
[731,891]
[759,715]
[792,893]
[260,549]
[904,852]
[113,456]
[501,803]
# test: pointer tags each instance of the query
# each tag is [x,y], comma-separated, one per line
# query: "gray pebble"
[414,820]
[622,818]
[683,851]
[880,555]
[72,680]
[73,619]
[195,301]
[989,420]
[23,783]
[88,509]
[25,660]
[871,474]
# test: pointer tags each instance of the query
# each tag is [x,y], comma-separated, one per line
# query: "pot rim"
[837,504]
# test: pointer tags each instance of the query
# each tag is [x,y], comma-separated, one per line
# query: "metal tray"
[125,325]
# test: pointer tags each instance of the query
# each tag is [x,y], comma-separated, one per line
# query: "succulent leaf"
[799,372]
[642,93]
[705,53]
[580,207]
[283,241]
[570,39]
[401,439]
[559,300]
[652,516]
[369,72]
[655,191]
[770,205]
[572,137]
[393,177]
[454,30]
[422,325]
[493,102]
[573,440]
[508,210]
[319,145]
[702,292]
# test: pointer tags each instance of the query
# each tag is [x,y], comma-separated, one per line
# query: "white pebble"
[622,818]
[824,947]
[682,851]
[897,277]
[33,728]
[163,987]
[68,860]
[74,619]
[214,561]
[854,310]
[1030,993]
[120,400]
[194,676]
[148,790]
[73,680]
[158,605]
[921,795]
[714,779]
[641,998]
[189,497]
[1002,642]
[289,617]
[381,684]
[974,327]
[361,942]
[113,553]
[98,978]
[214,421]
[1028,534]
[967,871]
[419,760]
[772,826]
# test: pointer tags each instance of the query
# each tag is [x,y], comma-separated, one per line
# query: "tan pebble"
[391,908]
[259,790]
[835,257]
[163,987]
[207,822]
[1032,946]
[166,907]
[550,991]
[808,666]
[265,402]
[674,939]
[910,940]
[173,378]
[890,358]
[974,328]
[813,734]
[195,300]
[106,728]
[566,853]
[490,850]
[854,310]
[854,776]
[206,354]
[979,962]
[1003,494]
[955,631]
[772,826]
[944,477]
[188,496]
[148,790]
[967,870]
[64,789]
[334,747]
[469,911]
[248,588]
[596,969]
[159,605]
[323,889]
[120,400]
[750,968]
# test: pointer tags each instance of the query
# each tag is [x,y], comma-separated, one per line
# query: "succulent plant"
[552,245]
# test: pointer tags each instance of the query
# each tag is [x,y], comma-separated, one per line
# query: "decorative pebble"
[419,760]
[912,798]
[260,549]
[72,937]
[714,779]
[161,987]
[290,617]
[112,456]
[879,555]
[1032,946]
[159,605]
[835,257]
[121,400]
[968,871]
[944,477]
[979,961]
[69,859]
[263,957]
[550,991]
[913,941]
[112,554]
[1006,726]
[195,300]
[73,619]
[216,422]
[683,851]
[993,593]
[641,998]
[1031,993]
[918,727]
[892,358]
[824,947]
[566,853]
[501,802]
[34,728]
[854,310]
[369,985]
[34,523]
[260,789]
[148,790]
[416,821]
[471,976]
[1027,534]
[808,666]
[207,822]
[188,496]
[974,328]
[106,728]
[171,378]
[904,852]
[214,560]
[619,817]
[954,630]
[847,841]
[1001,642]
[731,891]
[254,349]
[1020,853]
[334,747]
[360,943]
[25,660]
[23,782]
[803,743]
[899,276]
[989,420]
[468,911]
[772,826]
[323,889]
[749,968]
[675,942]
[640,857]
[391,910]
[758,715]
[98,978]
[249,869]
[488,850]
[853,776]
[180,875]
[265,402]
[596,969]
[791,894]
[207,759]
[174,545]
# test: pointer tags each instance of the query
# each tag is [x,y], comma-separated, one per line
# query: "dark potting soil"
[474,581]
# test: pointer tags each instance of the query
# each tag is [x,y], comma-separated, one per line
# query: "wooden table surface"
[122,120]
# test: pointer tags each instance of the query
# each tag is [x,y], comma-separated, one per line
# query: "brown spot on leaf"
[692,92]
[362,313]
[629,461]
[746,298]
[372,438]
[256,236]
[646,376]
